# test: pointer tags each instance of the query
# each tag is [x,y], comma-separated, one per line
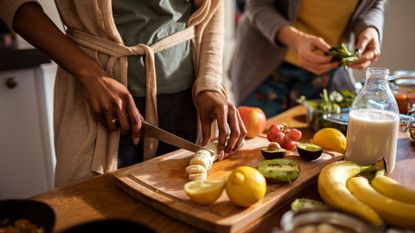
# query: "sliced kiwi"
[279,170]
[309,151]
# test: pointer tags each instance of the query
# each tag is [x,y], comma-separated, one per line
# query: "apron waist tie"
[116,51]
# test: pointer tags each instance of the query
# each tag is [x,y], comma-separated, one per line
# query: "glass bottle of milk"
[372,131]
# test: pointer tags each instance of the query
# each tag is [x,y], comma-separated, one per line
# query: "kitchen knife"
[150,130]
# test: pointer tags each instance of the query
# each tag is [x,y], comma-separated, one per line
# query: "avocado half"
[309,151]
[277,153]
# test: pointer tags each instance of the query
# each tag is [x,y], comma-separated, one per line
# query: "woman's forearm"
[288,36]
[35,26]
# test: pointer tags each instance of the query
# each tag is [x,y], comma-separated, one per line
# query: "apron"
[116,51]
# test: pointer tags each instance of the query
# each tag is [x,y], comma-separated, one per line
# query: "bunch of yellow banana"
[332,189]
[383,201]
[392,189]
[394,203]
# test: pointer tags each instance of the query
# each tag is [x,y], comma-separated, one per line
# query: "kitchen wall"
[398,48]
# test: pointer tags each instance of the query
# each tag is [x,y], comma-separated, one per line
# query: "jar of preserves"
[402,84]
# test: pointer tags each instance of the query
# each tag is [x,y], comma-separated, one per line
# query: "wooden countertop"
[99,198]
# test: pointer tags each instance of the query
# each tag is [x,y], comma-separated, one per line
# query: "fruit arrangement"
[381,201]
[284,136]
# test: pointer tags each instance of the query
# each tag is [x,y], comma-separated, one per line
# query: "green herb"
[341,54]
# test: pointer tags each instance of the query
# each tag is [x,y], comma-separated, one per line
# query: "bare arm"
[108,98]
[209,91]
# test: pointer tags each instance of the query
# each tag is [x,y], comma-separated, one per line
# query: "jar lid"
[404,79]
[340,222]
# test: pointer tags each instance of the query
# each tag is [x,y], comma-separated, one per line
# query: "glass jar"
[373,123]
[402,84]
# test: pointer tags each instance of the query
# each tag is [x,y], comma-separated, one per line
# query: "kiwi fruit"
[283,170]
[309,151]
[273,151]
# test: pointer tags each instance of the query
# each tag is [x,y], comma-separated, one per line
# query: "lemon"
[330,139]
[204,192]
[245,186]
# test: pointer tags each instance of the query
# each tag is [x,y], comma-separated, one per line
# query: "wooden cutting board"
[159,183]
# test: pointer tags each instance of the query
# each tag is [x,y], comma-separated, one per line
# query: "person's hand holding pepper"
[368,44]
[306,46]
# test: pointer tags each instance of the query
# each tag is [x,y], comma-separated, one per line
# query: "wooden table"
[99,198]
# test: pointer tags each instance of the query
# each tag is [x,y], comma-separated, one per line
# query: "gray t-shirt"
[146,22]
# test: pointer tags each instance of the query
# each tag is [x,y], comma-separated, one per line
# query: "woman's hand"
[214,106]
[307,47]
[113,105]
[368,44]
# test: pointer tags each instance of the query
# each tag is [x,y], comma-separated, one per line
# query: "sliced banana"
[191,169]
[203,160]
[202,157]
[198,176]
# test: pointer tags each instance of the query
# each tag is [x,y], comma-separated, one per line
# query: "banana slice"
[202,157]
[198,176]
[192,169]
[203,160]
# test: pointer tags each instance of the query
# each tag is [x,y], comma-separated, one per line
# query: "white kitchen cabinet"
[26,164]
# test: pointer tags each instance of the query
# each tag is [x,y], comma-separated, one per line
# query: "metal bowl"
[317,120]
[37,213]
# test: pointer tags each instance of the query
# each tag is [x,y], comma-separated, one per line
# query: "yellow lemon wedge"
[204,192]
[245,186]
[330,139]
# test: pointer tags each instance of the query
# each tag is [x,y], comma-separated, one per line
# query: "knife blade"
[150,130]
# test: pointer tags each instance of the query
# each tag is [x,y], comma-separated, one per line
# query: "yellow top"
[323,18]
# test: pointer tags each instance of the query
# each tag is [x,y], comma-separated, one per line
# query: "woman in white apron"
[107,68]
